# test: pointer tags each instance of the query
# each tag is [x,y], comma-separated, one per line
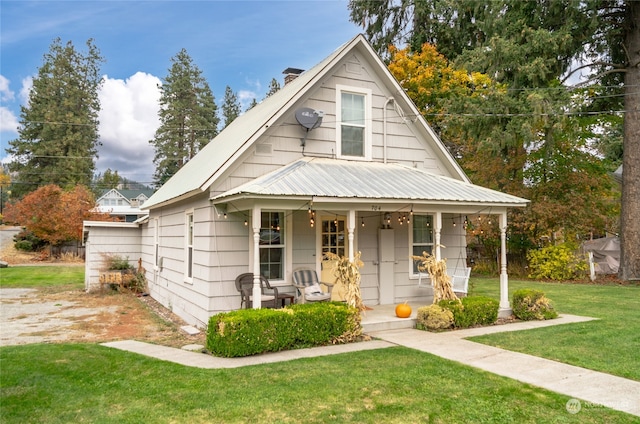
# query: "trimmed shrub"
[28,242]
[472,311]
[556,262]
[252,331]
[434,318]
[529,304]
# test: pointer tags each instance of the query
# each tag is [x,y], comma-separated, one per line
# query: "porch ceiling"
[342,179]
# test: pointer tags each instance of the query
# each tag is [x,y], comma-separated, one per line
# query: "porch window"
[189,247]
[272,245]
[422,237]
[354,126]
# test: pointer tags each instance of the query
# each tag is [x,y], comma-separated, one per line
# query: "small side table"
[283,297]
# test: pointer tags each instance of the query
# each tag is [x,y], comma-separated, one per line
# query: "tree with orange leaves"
[54,215]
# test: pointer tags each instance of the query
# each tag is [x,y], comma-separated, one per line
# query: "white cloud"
[27,84]
[8,121]
[5,92]
[128,120]
[245,97]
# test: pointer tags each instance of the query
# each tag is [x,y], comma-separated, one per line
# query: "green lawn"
[61,383]
[59,277]
[609,344]
[91,383]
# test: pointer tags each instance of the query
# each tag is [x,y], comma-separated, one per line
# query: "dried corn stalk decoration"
[440,281]
[348,273]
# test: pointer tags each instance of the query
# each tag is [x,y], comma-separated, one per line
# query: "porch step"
[389,324]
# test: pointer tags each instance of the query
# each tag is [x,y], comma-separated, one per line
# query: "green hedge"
[252,331]
[530,304]
[472,311]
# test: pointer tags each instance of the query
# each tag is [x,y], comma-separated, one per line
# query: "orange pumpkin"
[403,310]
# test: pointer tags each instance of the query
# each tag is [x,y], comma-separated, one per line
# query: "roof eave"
[147,206]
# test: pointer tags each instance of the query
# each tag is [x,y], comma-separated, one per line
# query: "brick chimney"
[290,74]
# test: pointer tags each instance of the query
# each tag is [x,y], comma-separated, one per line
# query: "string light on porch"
[312,218]
[362,222]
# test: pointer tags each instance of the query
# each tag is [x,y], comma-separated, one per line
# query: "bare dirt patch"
[48,315]
[45,316]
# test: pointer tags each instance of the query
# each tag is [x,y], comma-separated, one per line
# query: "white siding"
[109,239]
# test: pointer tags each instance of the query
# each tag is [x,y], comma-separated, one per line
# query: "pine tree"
[253,104]
[110,179]
[230,106]
[274,87]
[188,117]
[58,135]
[535,47]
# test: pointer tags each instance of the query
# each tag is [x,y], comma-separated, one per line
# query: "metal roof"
[197,175]
[335,178]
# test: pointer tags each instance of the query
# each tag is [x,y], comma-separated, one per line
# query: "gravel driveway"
[27,318]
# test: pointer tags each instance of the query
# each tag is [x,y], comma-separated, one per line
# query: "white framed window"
[272,245]
[353,129]
[189,237]
[156,243]
[421,238]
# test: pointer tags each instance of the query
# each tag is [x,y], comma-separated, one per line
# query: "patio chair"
[308,287]
[244,284]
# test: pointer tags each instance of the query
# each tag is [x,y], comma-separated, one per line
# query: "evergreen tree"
[58,135]
[230,106]
[253,104]
[188,117]
[274,87]
[110,179]
[534,47]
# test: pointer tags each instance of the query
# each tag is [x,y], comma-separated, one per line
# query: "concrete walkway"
[591,386]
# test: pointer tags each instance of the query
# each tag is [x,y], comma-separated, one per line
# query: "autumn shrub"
[556,262]
[434,318]
[529,304]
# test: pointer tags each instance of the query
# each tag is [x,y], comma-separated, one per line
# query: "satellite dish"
[309,118]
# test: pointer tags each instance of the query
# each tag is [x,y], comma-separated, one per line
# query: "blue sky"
[242,44]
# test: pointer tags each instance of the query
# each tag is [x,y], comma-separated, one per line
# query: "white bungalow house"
[338,160]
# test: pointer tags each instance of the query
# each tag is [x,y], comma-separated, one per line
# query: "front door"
[333,238]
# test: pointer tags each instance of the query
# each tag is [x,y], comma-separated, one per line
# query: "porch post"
[437,230]
[351,226]
[256,221]
[505,306]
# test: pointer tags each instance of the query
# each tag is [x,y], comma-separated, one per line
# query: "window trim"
[412,274]
[284,243]
[368,122]
[189,240]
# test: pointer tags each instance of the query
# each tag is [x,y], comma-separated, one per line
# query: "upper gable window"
[354,122]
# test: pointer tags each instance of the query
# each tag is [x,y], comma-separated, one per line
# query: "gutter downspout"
[384,128]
